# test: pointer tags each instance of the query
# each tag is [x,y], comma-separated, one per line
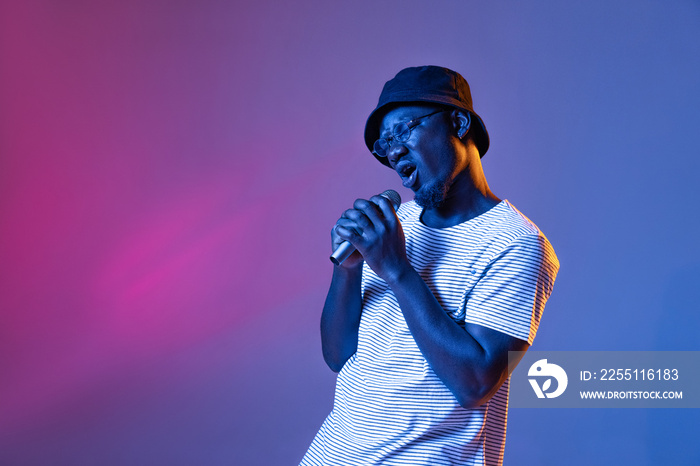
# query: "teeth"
[407,170]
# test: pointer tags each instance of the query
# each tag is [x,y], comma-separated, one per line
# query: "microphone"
[346,248]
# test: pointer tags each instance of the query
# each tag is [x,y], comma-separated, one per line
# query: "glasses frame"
[395,132]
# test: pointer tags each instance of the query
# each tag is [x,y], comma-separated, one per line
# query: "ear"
[462,122]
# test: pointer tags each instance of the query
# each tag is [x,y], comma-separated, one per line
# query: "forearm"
[455,355]
[340,320]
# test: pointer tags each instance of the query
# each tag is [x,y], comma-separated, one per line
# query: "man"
[419,320]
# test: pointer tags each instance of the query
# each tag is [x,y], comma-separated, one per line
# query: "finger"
[359,217]
[347,234]
[348,225]
[346,222]
[385,207]
[371,210]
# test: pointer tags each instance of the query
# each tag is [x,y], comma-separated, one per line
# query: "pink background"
[170,171]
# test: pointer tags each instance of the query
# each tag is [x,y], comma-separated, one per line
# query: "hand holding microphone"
[360,221]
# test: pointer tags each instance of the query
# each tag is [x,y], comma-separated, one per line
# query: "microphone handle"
[343,252]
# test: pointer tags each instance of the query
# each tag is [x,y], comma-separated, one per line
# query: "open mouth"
[407,172]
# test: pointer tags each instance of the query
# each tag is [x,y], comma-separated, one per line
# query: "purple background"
[170,171]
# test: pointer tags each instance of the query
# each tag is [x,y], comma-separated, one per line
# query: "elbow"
[334,362]
[336,354]
[468,401]
[475,396]
[334,365]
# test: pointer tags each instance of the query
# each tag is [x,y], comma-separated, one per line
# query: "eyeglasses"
[400,133]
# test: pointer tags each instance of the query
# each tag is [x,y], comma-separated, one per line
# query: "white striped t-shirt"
[496,270]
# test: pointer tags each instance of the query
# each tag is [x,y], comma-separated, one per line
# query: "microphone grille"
[393,197]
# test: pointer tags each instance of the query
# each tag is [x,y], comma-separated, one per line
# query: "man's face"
[426,162]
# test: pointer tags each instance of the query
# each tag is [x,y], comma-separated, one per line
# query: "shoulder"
[508,222]
[526,245]
[509,232]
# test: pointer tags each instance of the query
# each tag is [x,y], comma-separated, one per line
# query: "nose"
[395,152]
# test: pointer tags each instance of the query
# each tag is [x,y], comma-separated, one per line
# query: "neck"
[468,197]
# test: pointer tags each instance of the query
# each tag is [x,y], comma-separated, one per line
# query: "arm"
[472,362]
[340,320]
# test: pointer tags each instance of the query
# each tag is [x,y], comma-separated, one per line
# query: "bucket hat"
[428,84]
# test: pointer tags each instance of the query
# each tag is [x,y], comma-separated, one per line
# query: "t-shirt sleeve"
[513,288]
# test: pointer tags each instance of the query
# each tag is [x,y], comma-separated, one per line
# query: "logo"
[543,369]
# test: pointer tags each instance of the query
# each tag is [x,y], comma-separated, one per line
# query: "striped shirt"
[496,270]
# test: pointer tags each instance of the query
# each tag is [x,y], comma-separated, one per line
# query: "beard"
[433,195]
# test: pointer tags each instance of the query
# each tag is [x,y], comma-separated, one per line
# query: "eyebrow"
[395,124]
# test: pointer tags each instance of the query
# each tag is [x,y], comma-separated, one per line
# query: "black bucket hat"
[431,84]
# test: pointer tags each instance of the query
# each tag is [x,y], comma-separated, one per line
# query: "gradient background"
[170,172]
